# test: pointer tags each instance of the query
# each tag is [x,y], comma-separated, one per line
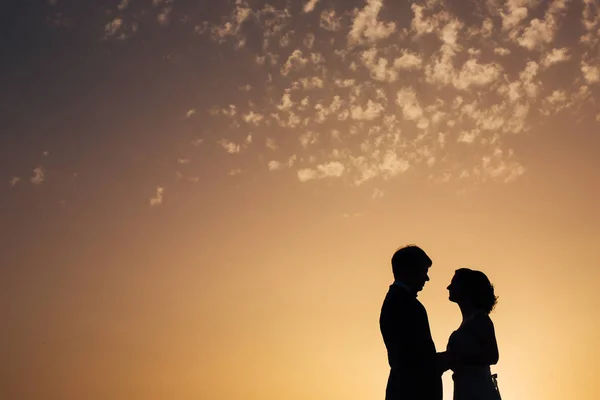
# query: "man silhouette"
[415,368]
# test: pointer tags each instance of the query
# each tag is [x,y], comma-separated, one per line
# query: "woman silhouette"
[472,348]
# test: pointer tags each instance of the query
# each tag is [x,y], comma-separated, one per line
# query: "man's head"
[410,265]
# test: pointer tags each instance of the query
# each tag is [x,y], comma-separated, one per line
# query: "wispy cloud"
[39,175]
[310,5]
[157,200]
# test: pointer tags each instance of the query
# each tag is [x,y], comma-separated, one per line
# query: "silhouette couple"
[415,367]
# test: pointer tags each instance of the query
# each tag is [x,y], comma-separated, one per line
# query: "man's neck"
[404,286]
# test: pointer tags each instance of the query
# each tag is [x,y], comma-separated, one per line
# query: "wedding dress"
[471,370]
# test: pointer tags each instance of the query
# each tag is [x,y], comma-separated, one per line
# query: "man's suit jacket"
[414,373]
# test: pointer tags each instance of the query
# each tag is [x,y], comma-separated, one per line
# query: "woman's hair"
[478,288]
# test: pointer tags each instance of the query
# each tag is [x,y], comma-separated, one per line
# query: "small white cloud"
[372,111]
[408,61]
[229,146]
[123,4]
[197,142]
[310,5]
[468,136]
[501,51]
[270,143]
[253,118]
[307,174]
[295,62]
[190,113]
[163,17]
[330,21]
[232,25]
[591,73]
[406,98]
[555,56]
[111,28]
[309,40]
[274,165]
[538,33]
[391,165]
[308,138]
[474,74]
[14,180]
[157,200]
[286,39]
[39,175]
[366,27]
[235,171]
[183,160]
[377,194]
[333,169]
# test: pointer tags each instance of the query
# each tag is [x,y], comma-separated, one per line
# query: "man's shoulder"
[399,298]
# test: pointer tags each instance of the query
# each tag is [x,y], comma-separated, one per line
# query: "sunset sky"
[200,199]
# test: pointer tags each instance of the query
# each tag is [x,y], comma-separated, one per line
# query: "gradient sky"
[201,198]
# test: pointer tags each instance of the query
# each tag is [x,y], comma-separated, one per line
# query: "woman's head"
[473,288]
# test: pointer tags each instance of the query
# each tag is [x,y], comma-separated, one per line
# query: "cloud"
[538,33]
[157,200]
[270,143]
[370,112]
[190,113]
[542,32]
[377,194]
[232,25]
[14,180]
[406,98]
[230,146]
[555,56]
[391,165]
[253,118]
[408,61]
[333,169]
[366,28]
[309,83]
[474,74]
[295,62]
[39,175]
[378,67]
[330,21]
[309,40]
[308,138]
[163,16]
[501,51]
[111,28]
[310,5]
[515,12]
[591,73]
[274,165]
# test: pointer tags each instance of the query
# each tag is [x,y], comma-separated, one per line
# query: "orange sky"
[178,222]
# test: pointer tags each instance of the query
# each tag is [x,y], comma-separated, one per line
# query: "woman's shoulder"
[481,321]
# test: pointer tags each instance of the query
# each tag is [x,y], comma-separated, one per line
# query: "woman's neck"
[467,311]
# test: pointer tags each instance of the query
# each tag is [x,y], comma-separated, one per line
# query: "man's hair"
[407,258]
